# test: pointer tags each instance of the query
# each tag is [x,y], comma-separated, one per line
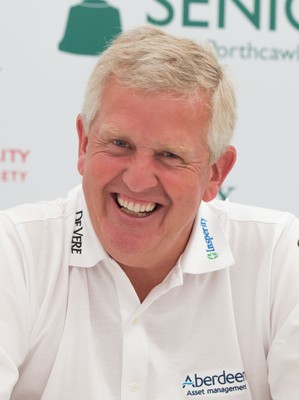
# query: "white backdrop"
[41,90]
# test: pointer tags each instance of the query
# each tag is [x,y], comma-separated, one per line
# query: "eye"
[170,158]
[120,143]
[169,154]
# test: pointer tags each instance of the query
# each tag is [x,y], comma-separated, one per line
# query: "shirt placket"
[135,349]
[135,360]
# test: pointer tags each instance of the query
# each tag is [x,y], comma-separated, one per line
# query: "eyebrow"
[110,129]
[179,149]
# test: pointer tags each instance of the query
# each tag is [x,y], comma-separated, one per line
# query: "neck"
[147,271]
[144,280]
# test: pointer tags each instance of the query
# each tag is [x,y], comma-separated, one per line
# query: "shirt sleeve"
[14,306]
[283,356]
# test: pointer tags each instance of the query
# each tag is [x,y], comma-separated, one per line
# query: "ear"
[83,141]
[220,170]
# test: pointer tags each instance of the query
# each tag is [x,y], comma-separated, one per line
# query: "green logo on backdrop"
[90,27]
[225,191]
[92,24]
[257,16]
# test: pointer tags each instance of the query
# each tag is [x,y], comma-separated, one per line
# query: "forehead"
[118,98]
[153,119]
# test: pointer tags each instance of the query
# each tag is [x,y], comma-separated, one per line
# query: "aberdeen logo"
[214,385]
[90,27]
[210,249]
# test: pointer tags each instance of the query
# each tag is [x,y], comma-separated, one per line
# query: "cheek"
[183,189]
[102,168]
[189,190]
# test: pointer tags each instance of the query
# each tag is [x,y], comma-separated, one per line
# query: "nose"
[140,174]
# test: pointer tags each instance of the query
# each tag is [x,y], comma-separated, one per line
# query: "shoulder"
[34,229]
[42,211]
[262,239]
[256,233]
[241,213]
[32,216]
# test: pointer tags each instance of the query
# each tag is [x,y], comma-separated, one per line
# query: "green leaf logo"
[212,256]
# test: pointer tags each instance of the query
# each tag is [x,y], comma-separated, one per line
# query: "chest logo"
[214,385]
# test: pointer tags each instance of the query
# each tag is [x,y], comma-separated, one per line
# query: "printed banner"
[48,49]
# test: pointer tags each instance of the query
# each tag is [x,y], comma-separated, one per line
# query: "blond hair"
[152,60]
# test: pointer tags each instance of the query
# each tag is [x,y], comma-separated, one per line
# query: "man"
[141,285]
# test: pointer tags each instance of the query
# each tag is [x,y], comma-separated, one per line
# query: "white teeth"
[149,207]
[135,207]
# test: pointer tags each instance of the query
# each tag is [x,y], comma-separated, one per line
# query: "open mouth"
[135,209]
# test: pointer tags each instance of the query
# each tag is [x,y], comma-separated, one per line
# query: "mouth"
[135,208]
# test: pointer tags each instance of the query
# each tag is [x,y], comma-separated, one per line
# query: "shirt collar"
[208,248]
[85,250]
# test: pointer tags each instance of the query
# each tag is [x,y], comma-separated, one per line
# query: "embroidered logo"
[210,249]
[76,247]
[214,385]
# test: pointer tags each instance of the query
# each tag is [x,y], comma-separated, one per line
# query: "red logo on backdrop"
[12,165]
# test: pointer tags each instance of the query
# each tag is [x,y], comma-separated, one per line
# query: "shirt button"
[134,386]
[135,321]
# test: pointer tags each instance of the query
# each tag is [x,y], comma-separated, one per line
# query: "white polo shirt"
[224,324]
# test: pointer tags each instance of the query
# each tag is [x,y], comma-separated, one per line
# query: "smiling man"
[146,167]
[140,285]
